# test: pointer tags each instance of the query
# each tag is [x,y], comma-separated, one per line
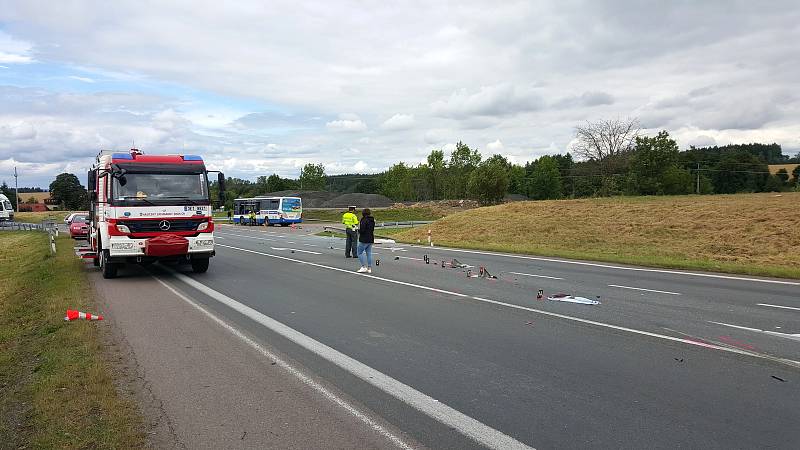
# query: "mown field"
[757,234]
[38,217]
[56,388]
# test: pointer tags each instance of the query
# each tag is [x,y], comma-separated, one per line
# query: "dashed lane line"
[525,308]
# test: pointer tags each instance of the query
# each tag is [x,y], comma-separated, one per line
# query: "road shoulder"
[202,387]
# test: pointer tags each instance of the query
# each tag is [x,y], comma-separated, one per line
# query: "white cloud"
[13,51]
[495,147]
[84,79]
[497,100]
[473,73]
[399,122]
[346,125]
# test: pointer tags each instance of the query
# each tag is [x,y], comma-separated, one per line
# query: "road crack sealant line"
[789,362]
[305,379]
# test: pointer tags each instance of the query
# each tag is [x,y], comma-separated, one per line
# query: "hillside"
[756,234]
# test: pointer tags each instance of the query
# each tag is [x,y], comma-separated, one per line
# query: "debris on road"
[572,299]
[779,378]
[73,314]
[483,273]
[540,294]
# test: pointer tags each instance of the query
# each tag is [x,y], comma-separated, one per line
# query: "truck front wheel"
[200,265]
[109,269]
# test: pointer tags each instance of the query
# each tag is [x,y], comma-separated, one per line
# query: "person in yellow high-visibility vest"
[350,221]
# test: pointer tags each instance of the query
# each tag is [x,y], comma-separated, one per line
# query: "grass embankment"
[56,389]
[38,217]
[756,234]
[380,215]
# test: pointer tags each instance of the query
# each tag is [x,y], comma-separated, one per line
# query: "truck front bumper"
[124,247]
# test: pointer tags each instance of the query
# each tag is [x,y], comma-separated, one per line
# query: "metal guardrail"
[407,223]
[46,225]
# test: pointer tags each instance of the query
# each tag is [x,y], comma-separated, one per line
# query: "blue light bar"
[121,156]
[192,158]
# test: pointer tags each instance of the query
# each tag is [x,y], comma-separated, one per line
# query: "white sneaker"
[369,270]
[362,270]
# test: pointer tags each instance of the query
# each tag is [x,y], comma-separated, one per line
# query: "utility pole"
[698,178]
[16,187]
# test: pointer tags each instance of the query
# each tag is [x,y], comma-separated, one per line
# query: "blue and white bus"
[269,210]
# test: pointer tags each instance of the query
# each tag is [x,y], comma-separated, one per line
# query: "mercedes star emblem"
[164,225]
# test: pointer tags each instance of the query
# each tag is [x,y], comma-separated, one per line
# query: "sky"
[265,87]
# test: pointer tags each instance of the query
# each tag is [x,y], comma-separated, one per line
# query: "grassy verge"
[38,217]
[755,234]
[56,389]
[380,215]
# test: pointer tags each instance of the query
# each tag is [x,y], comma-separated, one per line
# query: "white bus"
[269,210]
[6,211]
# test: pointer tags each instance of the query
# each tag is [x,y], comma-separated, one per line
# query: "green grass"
[380,215]
[38,217]
[56,388]
[755,234]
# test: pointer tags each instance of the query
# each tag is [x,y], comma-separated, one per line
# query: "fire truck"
[148,208]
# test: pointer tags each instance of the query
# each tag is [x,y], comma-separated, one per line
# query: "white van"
[6,211]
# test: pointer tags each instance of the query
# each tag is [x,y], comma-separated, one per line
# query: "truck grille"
[154,225]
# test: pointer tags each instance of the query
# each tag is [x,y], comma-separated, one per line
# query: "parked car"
[68,219]
[79,226]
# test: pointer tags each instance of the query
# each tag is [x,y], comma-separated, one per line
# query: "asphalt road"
[668,359]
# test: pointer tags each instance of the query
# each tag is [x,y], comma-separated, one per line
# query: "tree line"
[611,157]
[615,158]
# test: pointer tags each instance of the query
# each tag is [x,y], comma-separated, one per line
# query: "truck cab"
[6,211]
[148,208]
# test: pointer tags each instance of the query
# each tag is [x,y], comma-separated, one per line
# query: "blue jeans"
[365,254]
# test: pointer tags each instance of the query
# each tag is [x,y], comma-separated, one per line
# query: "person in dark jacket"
[366,237]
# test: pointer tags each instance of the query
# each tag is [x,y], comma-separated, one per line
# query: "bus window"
[270,204]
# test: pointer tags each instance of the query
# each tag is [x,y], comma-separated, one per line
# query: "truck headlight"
[202,226]
[123,228]
[122,245]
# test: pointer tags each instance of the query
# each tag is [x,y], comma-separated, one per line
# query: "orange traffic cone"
[73,314]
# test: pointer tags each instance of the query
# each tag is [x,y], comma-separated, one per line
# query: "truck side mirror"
[91,184]
[221,185]
[221,181]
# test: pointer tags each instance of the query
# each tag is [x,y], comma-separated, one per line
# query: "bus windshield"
[161,189]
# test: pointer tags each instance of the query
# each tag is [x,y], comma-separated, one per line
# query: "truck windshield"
[6,205]
[161,189]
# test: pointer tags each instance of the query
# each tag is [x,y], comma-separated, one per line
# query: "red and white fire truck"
[147,208]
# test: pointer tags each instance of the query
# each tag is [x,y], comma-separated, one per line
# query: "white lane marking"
[305,379]
[643,289]
[778,306]
[537,276]
[251,237]
[525,308]
[468,426]
[408,257]
[795,337]
[609,266]
[296,250]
